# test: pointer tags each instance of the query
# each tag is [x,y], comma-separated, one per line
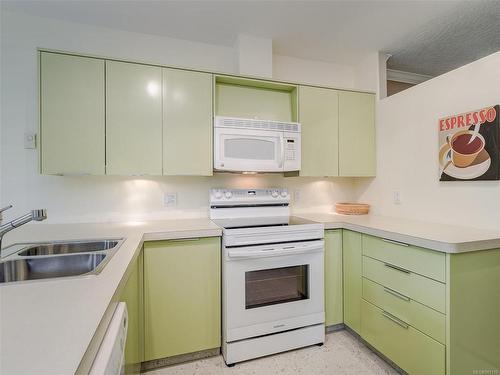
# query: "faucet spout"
[35,215]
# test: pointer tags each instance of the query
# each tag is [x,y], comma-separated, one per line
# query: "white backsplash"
[107,198]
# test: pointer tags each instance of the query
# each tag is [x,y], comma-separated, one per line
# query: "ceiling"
[426,37]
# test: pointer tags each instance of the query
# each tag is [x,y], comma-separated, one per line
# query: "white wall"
[313,72]
[109,198]
[407,150]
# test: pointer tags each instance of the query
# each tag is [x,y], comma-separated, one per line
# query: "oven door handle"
[239,254]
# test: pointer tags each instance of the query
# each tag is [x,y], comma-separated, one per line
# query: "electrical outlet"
[296,196]
[170,199]
[396,198]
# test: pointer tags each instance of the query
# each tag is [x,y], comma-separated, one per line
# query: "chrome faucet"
[4,209]
[35,215]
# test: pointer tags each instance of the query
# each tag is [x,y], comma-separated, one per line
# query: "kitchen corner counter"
[435,236]
[54,320]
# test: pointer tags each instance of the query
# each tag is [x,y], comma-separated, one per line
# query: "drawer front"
[410,349]
[419,288]
[421,317]
[416,259]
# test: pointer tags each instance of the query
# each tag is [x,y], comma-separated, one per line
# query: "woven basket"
[346,208]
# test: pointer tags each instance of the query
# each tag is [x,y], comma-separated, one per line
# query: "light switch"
[30,141]
[397,197]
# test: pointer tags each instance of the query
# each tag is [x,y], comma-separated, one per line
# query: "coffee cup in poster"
[464,149]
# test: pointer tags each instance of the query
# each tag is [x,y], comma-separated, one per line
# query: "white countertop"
[46,326]
[439,237]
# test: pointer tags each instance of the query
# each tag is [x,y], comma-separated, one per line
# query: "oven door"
[272,288]
[241,150]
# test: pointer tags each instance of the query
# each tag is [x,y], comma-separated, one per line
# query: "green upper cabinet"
[187,123]
[182,300]
[71,114]
[319,118]
[356,134]
[352,266]
[133,119]
[333,278]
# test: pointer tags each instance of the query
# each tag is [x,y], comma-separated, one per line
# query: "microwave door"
[241,150]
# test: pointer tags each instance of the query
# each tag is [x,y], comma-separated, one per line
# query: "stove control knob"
[218,194]
[228,194]
[284,193]
[275,194]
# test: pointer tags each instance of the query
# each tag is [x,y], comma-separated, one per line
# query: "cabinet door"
[318,114]
[333,278]
[352,262]
[187,123]
[356,134]
[182,297]
[132,295]
[71,114]
[133,119]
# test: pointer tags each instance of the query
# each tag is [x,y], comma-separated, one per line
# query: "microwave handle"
[282,151]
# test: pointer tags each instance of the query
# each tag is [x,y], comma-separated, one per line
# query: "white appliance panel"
[256,146]
[242,322]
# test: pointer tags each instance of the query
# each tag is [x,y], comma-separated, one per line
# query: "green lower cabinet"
[473,327]
[132,295]
[182,297]
[334,313]
[410,349]
[352,261]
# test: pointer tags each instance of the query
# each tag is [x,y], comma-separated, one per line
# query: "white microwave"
[248,145]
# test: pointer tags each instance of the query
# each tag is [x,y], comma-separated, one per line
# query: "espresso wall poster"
[469,146]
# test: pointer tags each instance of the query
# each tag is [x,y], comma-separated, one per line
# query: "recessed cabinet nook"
[106,117]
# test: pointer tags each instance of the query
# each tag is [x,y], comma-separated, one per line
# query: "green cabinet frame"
[72,114]
[334,313]
[319,120]
[352,265]
[132,295]
[357,154]
[182,297]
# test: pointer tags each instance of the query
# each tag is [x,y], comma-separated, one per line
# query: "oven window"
[249,148]
[276,285]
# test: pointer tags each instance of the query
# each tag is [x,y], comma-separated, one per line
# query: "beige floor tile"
[342,354]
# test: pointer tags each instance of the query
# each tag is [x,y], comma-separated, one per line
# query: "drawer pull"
[395,242]
[396,268]
[392,318]
[396,294]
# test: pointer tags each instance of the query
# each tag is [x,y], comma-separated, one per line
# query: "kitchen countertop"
[54,320]
[46,326]
[439,237]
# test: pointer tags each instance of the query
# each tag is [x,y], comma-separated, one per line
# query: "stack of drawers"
[403,309]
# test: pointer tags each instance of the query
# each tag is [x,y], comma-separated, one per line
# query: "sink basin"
[68,247]
[49,267]
[34,261]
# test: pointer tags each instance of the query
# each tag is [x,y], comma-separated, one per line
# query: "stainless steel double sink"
[56,259]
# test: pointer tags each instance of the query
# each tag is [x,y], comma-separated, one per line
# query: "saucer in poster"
[479,167]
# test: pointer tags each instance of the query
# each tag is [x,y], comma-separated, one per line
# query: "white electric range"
[272,274]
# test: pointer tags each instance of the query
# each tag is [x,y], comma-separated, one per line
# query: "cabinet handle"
[396,294]
[398,321]
[395,242]
[396,268]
